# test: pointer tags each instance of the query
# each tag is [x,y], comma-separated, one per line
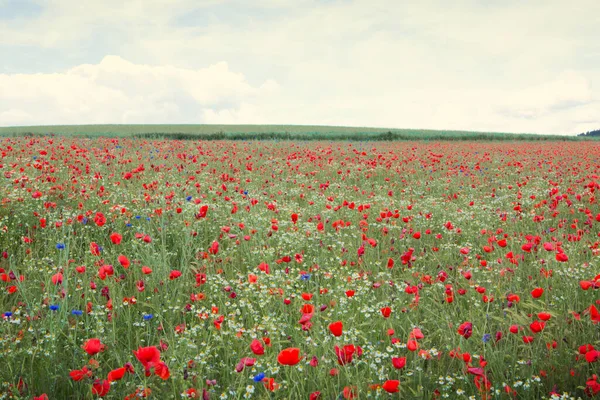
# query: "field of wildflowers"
[138,268]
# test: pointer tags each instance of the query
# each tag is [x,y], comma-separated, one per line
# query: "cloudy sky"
[509,66]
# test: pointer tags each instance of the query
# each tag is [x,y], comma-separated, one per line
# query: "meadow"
[137,267]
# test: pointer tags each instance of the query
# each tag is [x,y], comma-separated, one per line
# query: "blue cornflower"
[128,225]
[189,198]
[60,246]
[84,221]
[77,312]
[147,218]
[245,192]
[138,216]
[486,338]
[259,377]
[7,314]
[54,307]
[305,277]
[148,317]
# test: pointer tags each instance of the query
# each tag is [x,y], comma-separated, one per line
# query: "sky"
[505,66]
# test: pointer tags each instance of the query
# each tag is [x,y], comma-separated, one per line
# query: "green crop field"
[258,132]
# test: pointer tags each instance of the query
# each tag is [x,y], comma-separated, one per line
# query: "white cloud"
[569,90]
[118,91]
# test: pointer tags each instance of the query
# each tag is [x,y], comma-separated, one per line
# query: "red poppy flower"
[162,370]
[398,362]
[349,392]
[80,374]
[147,355]
[537,292]
[583,349]
[202,212]
[124,261]
[174,274]
[214,248]
[544,316]
[57,279]
[386,312]
[307,309]
[289,356]
[548,246]
[93,346]
[391,386]
[344,354]
[336,328]
[465,329]
[537,326]
[100,388]
[416,334]
[116,374]
[594,314]
[307,296]
[562,257]
[270,384]
[412,345]
[94,249]
[100,219]
[527,339]
[257,347]
[585,285]
[116,238]
[592,356]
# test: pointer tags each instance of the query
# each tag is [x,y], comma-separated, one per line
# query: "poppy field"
[135,268]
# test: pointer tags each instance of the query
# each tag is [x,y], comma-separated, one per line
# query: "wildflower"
[93,346]
[465,329]
[100,388]
[398,362]
[386,312]
[80,374]
[257,347]
[258,377]
[391,386]
[336,328]
[537,292]
[289,356]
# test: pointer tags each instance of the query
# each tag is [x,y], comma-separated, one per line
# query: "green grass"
[268,132]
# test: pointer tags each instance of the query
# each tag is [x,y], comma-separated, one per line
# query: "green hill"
[266,132]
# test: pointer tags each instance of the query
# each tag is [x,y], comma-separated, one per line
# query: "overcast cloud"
[509,66]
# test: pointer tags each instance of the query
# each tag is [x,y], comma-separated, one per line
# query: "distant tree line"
[591,133]
[355,136]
